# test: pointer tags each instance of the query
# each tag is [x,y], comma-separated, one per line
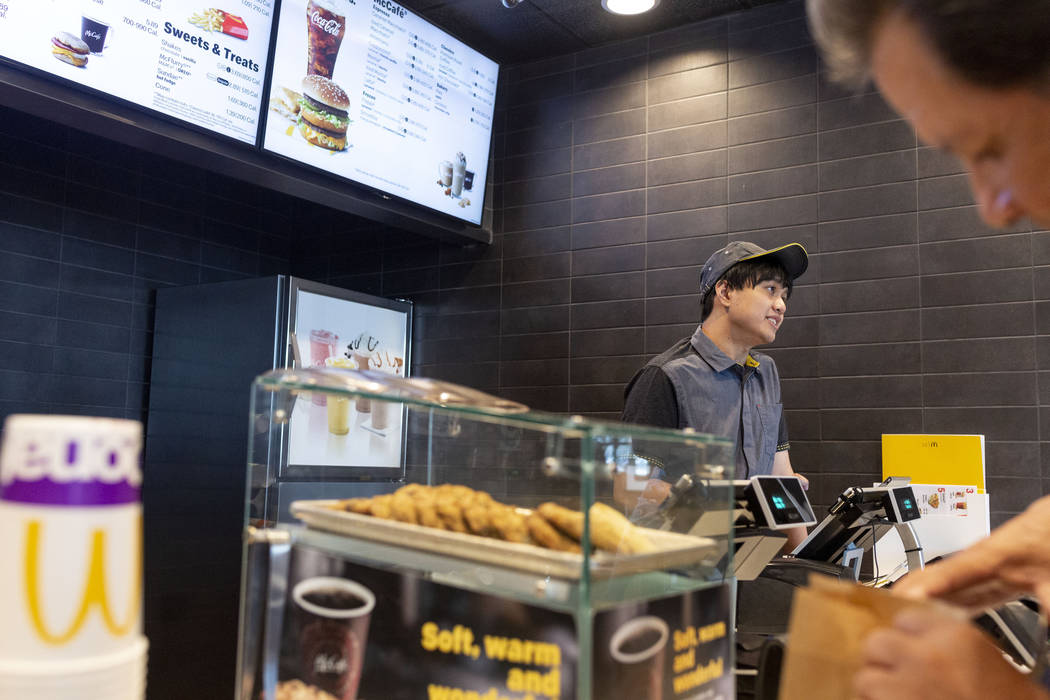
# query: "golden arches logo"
[94,587]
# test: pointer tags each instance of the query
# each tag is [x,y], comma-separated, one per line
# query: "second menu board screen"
[366,90]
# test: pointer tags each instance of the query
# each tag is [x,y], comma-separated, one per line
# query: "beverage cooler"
[501,566]
[210,342]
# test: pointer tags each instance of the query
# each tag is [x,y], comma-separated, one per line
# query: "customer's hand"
[929,656]
[1013,560]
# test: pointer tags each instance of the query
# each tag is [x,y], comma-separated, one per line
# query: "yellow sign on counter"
[935,459]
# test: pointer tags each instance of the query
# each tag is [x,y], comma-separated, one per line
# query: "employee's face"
[756,313]
[1001,136]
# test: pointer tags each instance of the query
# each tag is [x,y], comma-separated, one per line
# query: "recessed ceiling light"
[629,7]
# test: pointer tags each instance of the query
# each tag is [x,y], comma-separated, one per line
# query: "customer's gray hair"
[991,43]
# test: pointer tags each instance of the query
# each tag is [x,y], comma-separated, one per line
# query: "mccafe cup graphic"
[95,33]
[637,648]
[71,555]
[333,629]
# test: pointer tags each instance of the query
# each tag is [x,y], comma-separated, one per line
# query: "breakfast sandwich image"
[69,49]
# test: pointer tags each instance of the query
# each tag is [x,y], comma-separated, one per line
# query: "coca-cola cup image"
[325,26]
[638,648]
[94,32]
[334,615]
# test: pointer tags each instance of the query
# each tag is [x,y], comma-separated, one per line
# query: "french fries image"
[210,20]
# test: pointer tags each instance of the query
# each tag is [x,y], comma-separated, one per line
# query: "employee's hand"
[1013,560]
[929,656]
[804,480]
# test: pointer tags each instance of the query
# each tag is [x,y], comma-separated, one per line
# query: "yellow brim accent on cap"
[779,248]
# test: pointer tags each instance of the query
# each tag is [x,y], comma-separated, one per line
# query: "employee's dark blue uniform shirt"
[696,385]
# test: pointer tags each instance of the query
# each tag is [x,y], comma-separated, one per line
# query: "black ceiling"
[538,29]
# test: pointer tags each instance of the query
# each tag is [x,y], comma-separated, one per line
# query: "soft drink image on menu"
[325,25]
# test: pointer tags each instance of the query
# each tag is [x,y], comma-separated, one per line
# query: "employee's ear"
[722,291]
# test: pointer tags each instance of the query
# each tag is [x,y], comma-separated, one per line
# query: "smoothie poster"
[368,91]
[336,431]
[351,632]
[198,62]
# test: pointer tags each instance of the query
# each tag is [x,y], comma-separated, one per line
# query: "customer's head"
[972,76]
[742,265]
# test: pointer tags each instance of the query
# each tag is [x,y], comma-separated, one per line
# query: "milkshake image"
[459,171]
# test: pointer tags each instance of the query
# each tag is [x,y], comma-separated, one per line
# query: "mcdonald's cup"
[71,553]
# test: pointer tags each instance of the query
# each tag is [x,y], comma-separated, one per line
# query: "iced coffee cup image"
[445,173]
[361,360]
[638,648]
[459,173]
[381,410]
[333,614]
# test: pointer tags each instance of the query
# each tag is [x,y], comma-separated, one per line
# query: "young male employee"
[712,382]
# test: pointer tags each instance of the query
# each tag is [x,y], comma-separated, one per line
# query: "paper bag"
[829,622]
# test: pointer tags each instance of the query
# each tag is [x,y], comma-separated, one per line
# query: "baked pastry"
[297,690]
[610,530]
[546,535]
[461,509]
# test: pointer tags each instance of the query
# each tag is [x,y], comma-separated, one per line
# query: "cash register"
[858,520]
[763,507]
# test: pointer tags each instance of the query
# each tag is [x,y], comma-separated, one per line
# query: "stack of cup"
[71,559]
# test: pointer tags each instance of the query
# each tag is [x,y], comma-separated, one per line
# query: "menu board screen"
[204,65]
[366,90]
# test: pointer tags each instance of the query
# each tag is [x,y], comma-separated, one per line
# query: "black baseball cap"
[792,257]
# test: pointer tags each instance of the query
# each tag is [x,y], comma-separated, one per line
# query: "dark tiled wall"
[620,169]
[89,230]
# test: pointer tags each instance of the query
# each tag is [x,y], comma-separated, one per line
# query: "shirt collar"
[713,355]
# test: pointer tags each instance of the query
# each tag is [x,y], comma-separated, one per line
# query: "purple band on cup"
[74,493]
[89,471]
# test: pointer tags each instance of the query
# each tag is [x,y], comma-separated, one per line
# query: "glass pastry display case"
[510,554]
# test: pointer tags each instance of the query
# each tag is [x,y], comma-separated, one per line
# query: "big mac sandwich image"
[69,49]
[323,116]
